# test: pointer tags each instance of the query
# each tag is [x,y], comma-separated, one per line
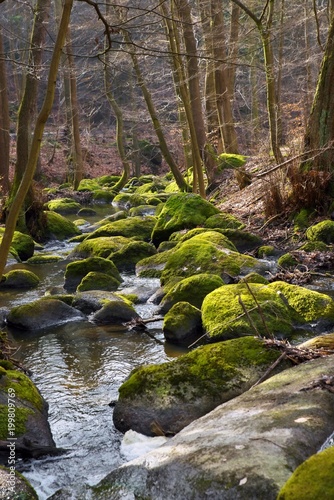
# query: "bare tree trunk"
[118,114]
[4,124]
[29,171]
[264,28]
[183,186]
[320,130]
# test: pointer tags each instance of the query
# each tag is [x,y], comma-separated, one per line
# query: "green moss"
[226,161]
[224,316]
[59,227]
[104,195]
[198,256]
[21,416]
[44,259]
[64,206]
[98,281]
[265,251]
[107,180]
[23,386]
[129,200]
[19,278]
[76,271]
[192,290]
[99,247]
[323,231]
[22,244]
[152,267]
[301,220]
[127,257]
[223,221]
[88,185]
[287,261]
[209,369]
[254,278]
[312,480]
[205,234]
[315,246]
[137,227]
[243,240]
[308,304]
[181,211]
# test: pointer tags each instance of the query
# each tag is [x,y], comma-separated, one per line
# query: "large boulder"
[312,480]
[22,244]
[192,290]
[98,247]
[322,231]
[126,258]
[77,270]
[246,309]
[64,206]
[42,313]
[58,227]
[181,211]
[115,312]
[19,278]
[98,281]
[24,427]
[174,394]
[182,324]
[246,448]
[197,256]
[139,228]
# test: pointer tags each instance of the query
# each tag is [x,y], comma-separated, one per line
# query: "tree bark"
[42,117]
[4,124]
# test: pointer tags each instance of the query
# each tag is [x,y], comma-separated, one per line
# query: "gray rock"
[245,449]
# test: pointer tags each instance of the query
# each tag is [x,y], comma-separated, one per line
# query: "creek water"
[78,368]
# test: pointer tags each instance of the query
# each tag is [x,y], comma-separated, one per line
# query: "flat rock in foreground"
[244,449]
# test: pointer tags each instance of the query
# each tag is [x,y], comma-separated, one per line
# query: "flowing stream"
[78,368]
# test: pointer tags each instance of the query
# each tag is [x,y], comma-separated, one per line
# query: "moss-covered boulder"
[98,247]
[139,228]
[22,244]
[76,271]
[19,278]
[115,312]
[243,240]
[323,231]
[200,233]
[198,256]
[23,415]
[312,480]
[86,212]
[129,200]
[58,227]
[153,266]
[104,195]
[143,210]
[174,394]
[98,281]
[223,220]
[126,258]
[254,278]
[44,258]
[182,324]
[265,251]
[309,305]
[42,313]
[192,290]
[181,211]
[246,448]
[233,311]
[64,206]
[287,261]
[14,486]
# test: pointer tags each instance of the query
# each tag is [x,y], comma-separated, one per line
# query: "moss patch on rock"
[127,257]
[76,271]
[98,247]
[309,305]
[223,220]
[323,231]
[64,206]
[192,290]
[312,480]
[22,244]
[59,227]
[19,278]
[139,228]
[198,256]
[245,309]
[175,393]
[98,281]
[181,211]
[182,324]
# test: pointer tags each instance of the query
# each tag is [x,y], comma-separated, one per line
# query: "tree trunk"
[319,137]
[183,186]
[4,124]
[29,171]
